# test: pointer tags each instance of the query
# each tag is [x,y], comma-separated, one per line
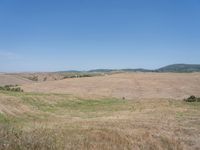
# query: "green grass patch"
[91,105]
[37,103]
[6,119]
[3,118]
[40,101]
[194,105]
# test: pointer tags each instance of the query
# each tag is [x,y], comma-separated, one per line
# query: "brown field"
[128,85]
[7,79]
[89,113]
[22,78]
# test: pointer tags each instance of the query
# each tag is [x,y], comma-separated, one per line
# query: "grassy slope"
[58,121]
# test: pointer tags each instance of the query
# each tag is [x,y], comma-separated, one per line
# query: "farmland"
[64,119]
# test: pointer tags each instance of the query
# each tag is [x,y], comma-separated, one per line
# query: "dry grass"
[128,85]
[27,78]
[60,121]
[6,79]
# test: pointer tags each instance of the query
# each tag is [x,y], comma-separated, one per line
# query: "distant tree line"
[79,76]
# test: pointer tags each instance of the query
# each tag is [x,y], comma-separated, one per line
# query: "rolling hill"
[180,68]
[170,68]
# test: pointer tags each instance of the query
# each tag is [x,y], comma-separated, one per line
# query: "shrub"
[45,78]
[11,88]
[34,78]
[192,99]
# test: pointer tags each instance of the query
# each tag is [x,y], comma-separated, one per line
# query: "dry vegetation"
[128,85]
[60,121]
[27,78]
[119,111]
[7,79]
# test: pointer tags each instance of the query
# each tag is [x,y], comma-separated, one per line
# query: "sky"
[58,35]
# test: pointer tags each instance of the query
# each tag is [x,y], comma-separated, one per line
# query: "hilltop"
[170,68]
[180,68]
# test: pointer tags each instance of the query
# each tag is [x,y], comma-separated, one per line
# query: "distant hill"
[180,68]
[137,70]
[120,70]
[169,68]
[103,70]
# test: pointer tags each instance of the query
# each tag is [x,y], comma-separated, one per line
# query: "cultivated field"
[7,79]
[128,85]
[91,113]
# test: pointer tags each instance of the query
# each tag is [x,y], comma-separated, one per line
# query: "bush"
[192,99]
[12,88]
[34,78]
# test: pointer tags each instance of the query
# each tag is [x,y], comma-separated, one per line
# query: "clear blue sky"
[52,35]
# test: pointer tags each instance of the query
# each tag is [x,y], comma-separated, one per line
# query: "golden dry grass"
[128,85]
[89,113]
[27,78]
[6,79]
[60,121]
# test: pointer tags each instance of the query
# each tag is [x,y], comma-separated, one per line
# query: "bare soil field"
[128,85]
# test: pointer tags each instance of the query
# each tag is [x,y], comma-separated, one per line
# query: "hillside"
[120,70]
[126,110]
[33,121]
[180,68]
[22,78]
[169,68]
[129,85]
[7,79]
[26,78]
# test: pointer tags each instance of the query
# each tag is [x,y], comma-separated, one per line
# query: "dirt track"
[128,85]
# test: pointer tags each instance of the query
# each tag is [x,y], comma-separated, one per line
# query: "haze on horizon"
[56,35]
